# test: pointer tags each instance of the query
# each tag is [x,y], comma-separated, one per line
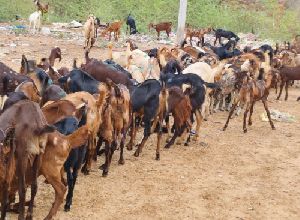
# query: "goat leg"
[286,90]
[268,113]
[171,142]
[108,156]
[281,88]
[147,129]
[60,191]
[121,160]
[199,119]
[159,134]
[21,169]
[245,118]
[251,112]
[130,144]
[34,186]
[229,116]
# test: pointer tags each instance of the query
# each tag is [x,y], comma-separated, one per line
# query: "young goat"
[164,26]
[89,32]
[251,92]
[287,74]
[35,21]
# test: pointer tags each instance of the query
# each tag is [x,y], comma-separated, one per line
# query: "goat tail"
[10,162]
[79,137]
[182,112]
[102,96]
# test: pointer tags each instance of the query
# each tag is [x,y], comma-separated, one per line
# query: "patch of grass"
[268,21]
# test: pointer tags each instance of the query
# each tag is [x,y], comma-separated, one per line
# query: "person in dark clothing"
[131,23]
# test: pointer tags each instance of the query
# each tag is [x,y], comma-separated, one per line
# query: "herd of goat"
[59,121]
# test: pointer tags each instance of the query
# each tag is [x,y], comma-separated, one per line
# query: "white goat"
[35,20]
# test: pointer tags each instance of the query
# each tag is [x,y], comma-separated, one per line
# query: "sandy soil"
[236,176]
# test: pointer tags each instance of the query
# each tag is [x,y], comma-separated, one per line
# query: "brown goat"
[180,106]
[163,26]
[251,92]
[56,152]
[114,27]
[42,7]
[31,135]
[199,33]
[287,74]
[116,121]
[94,119]
[102,72]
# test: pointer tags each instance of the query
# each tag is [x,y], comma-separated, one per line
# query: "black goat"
[79,80]
[76,157]
[131,23]
[226,51]
[145,97]
[172,68]
[226,34]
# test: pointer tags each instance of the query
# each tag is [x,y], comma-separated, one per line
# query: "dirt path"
[236,176]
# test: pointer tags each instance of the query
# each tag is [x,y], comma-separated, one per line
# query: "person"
[131,23]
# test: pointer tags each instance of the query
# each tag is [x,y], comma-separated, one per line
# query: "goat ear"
[2,135]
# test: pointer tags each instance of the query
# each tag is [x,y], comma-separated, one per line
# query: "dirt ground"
[235,176]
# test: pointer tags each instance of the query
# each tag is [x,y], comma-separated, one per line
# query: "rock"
[45,31]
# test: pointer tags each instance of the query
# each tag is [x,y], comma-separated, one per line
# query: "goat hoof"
[105,173]
[186,144]
[29,217]
[273,128]
[121,162]
[157,157]
[85,171]
[205,119]
[245,130]
[167,146]
[67,208]
[129,147]
[250,123]
[136,153]
[224,128]
[102,167]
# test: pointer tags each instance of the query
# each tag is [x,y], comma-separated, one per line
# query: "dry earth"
[236,176]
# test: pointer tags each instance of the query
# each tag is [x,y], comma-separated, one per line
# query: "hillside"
[266,18]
